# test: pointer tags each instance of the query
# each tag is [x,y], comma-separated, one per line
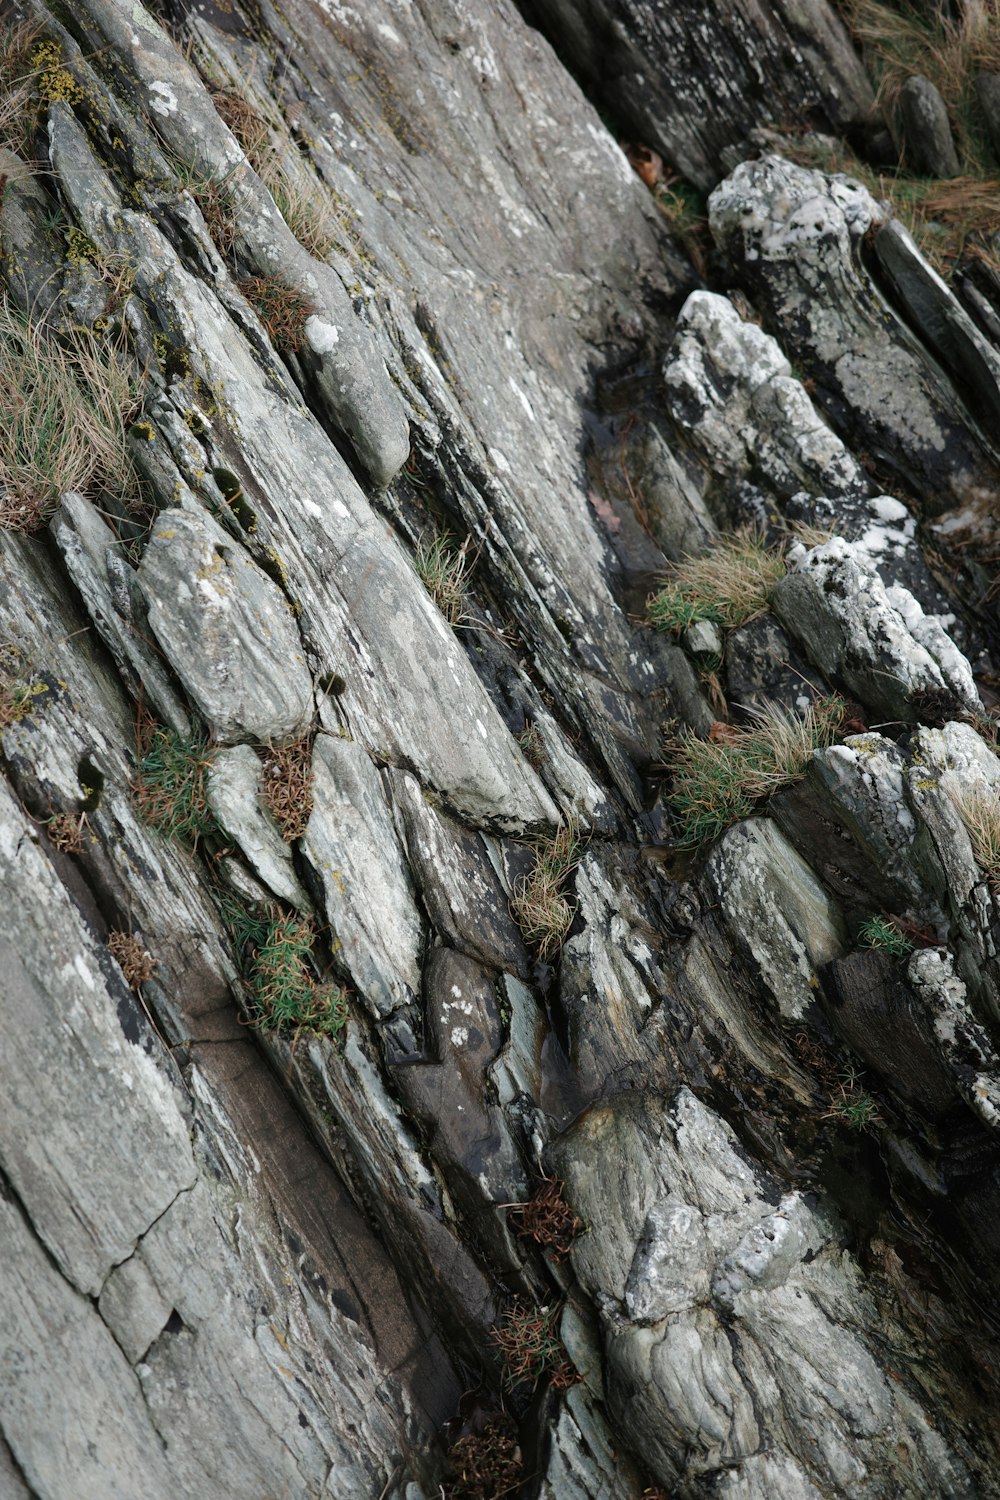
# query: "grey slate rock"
[227,629]
[930,149]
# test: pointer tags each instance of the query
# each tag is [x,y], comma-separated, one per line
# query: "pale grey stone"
[96,562]
[878,640]
[368,897]
[73,1170]
[227,629]
[233,789]
[776,908]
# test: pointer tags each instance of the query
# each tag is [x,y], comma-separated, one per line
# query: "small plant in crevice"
[730,584]
[443,570]
[528,1339]
[281,990]
[547,1219]
[20,688]
[65,830]
[214,197]
[282,309]
[853,1105]
[531,746]
[287,787]
[883,934]
[169,790]
[136,962]
[539,903]
[980,812]
[486,1464]
[715,782]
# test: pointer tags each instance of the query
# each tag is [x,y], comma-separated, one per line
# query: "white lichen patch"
[162,99]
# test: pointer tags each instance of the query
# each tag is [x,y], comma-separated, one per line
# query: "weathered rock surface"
[926,131]
[278,1256]
[692,79]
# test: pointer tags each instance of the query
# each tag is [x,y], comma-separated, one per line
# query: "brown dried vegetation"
[486,1465]
[282,309]
[287,787]
[135,961]
[548,1219]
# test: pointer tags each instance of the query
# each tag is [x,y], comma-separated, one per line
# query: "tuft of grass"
[169,791]
[443,569]
[980,812]
[18,88]
[730,584]
[486,1464]
[288,787]
[281,990]
[67,406]
[540,906]
[531,746]
[915,37]
[311,210]
[136,962]
[882,933]
[214,197]
[715,782]
[852,1105]
[282,309]
[529,1341]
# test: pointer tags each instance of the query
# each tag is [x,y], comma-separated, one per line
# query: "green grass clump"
[66,408]
[541,908]
[882,933]
[730,584]
[528,1339]
[281,990]
[443,570]
[852,1105]
[717,782]
[169,790]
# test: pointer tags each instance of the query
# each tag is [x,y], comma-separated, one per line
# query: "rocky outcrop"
[395,1085]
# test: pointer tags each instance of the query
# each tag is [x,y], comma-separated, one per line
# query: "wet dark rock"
[763,666]
[927,138]
[691,80]
[987,87]
[869,1005]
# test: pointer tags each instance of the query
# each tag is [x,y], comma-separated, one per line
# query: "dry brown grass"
[66,407]
[135,961]
[980,812]
[288,787]
[541,908]
[309,208]
[66,831]
[18,89]
[729,583]
[899,41]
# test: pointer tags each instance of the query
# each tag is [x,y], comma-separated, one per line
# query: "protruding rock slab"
[351,843]
[773,903]
[234,795]
[226,630]
[878,640]
[73,1169]
[930,149]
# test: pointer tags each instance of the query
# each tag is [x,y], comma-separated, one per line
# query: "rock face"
[693,79]
[438,1058]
